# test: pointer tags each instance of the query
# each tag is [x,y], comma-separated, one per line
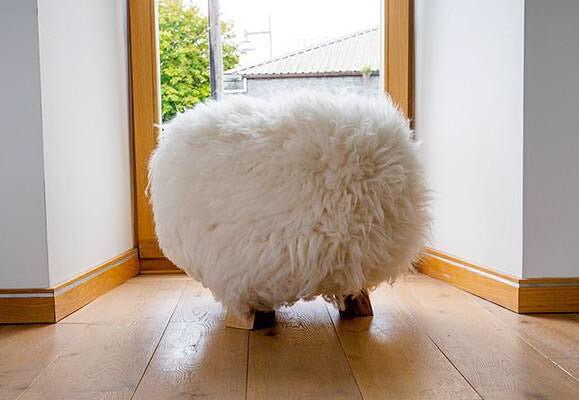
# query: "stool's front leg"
[359,306]
[253,320]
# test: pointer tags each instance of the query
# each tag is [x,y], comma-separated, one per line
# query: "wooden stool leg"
[359,306]
[254,320]
[240,321]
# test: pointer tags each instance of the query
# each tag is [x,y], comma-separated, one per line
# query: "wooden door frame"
[399,53]
[146,119]
[145,96]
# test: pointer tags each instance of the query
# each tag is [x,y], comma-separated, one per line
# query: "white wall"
[469,114]
[84,75]
[24,260]
[551,163]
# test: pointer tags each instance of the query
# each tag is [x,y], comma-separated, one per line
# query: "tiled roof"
[345,55]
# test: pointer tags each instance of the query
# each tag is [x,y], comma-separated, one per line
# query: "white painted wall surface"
[551,163]
[24,261]
[83,53]
[469,115]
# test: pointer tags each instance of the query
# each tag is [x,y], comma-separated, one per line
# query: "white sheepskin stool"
[270,201]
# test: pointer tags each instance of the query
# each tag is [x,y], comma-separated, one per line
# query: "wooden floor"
[162,337]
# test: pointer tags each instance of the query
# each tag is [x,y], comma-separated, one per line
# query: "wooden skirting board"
[536,295]
[158,266]
[53,304]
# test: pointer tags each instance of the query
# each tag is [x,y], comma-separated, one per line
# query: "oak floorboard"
[495,361]
[392,358]
[198,357]
[299,358]
[132,302]
[26,350]
[106,361]
[556,336]
[197,304]
[165,339]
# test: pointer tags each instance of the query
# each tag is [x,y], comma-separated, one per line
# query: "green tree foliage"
[184,53]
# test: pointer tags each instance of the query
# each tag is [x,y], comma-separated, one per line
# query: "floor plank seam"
[506,355]
[455,367]
[158,343]
[518,335]
[344,351]
[414,318]
[149,361]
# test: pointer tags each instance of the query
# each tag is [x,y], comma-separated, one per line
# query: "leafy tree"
[184,53]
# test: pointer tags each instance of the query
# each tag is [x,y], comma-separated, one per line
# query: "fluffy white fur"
[268,202]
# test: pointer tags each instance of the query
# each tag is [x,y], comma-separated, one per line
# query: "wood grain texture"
[146,114]
[196,304]
[399,50]
[549,299]
[555,336]
[198,357]
[26,290]
[81,295]
[149,248]
[158,266]
[163,337]
[537,295]
[26,350]
[69,296]
[27,310]
[392,358]
[471,265]
[129,255]
[131,303]
[570,280]
[495,361]
[484,286]
[299,358]
[104,362]
[160,277]
[197,360]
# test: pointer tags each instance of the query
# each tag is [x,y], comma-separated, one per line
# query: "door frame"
[398,80]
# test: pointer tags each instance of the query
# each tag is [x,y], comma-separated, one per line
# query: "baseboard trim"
[158,266]
[498,288]
[537,295]
[54,303]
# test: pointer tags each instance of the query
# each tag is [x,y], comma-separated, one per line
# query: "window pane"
[269,47]
[303,44]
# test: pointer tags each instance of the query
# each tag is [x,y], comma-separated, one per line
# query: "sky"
[295,24]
